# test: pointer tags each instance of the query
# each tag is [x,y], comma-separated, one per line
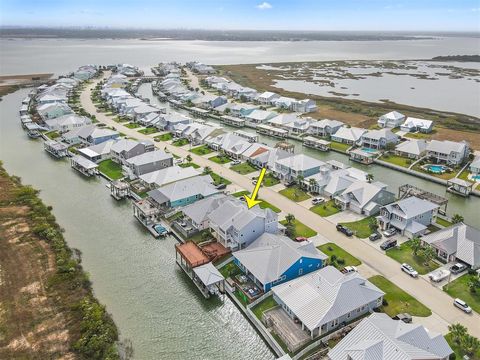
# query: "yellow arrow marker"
[251,202]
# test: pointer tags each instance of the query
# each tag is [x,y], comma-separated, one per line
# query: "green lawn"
[241,193]
[326,209]
[220,159]
[229,269]
[263,205]
[397,160]
[188,164]
[52,134]
[333,249]
[444,176]
[180,142]
[464,175]
[404,254]
[111,169]
[263,306]
[361,227]
[398,301]
[300,229]
[270,180]
[132,125]
[339,146]
[217,179]
[148,130]
[243,168]
[201,150]
[419,135]
[295,193]
[443,222]
[459,289]
[458,350]
[163,137]
[121,119]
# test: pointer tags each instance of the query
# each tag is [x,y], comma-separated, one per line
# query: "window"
[300,272]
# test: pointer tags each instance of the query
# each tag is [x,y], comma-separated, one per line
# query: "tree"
[373,224]
[428,254]
[369,177]
[207,170]
[312,183]
[416,245]
[227,111]
[470,344]
[457,218]
[472,285]
[290,219]
[300,179]
[457,331]
[188,158]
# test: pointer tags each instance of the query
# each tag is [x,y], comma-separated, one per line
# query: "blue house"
[183,192]
[94,135]
[274,259]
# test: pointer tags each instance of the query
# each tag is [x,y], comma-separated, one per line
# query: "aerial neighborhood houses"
[448,152]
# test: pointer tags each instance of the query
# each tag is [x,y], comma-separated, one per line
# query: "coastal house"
[410,216]
[266,159]
[459,242]
[414,124]
[209,101]
[325,127]
[197,133]
[67,122]
[254,150]
[448,152]
[380,337]
[304,106]
[391,120]
[84,165]
[412,149]
[54,110]
[93,135]
[475,166]
[365,198]
[236,109]
[183,192]
[147,162]
[259,116]
[267,98]
[52,97]
[72,137]
[143,110]
[125,149]
[167,175]
[282,120]
[235,226]
[273,259]
[331,182]
[298,127]
[348,135]
[97,152]
[284,102]
[290,168]
[324,300]
[196,214]
[55,148]
[169,121]
[378,139]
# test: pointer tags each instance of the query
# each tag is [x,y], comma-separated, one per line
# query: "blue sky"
[376,15]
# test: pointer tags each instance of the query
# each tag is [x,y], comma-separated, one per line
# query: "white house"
[67,122]
[412,149]
[475,166]
[267,98]
[260,116]
[197,213]
[348,135]
[414,124]
[325,127]
[391,120]
[54,110]
[379,139]
[448,152]
[304,106]
[98,152]
[290,168]
[168,175]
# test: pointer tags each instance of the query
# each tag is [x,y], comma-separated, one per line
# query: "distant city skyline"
[306,15]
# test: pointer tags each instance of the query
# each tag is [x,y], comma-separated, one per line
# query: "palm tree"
[188,158]
[470,344]
[290,218]
[458,331]
[428,254]
[373,224]
[312,183]
[207,170]
[369,177]
[416,245]
[457,218]
[472,286]
[300,179]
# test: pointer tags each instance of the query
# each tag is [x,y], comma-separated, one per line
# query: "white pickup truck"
[439,275]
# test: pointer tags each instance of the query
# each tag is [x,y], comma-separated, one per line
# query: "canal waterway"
[151,300]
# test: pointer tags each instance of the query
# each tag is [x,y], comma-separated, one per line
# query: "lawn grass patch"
[111,169]
[132,125]
[243,168]
[52,134]
[397,160]
[180,142]
[398,301]
[458,349]
[265,204]
[229,270]
[241,193]
[188,164]
[443,222]
[444,176]
[361,228]
[270,180]
[339,146]
[300,229]
[220,159]
[201,150]
[148,130]
[326,209]
[458,288]
[404,254]
[295,193]
[346,259]
[264,305]
[163,137]
[217,179]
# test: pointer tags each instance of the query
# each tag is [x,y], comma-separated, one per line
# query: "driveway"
[432,297]
[344,216]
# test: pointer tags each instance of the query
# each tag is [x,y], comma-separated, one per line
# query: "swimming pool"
[369,150]
[476,177]
[436,169]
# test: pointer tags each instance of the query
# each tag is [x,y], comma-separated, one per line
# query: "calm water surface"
[153,303]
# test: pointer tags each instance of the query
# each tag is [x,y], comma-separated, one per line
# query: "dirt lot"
[10,83]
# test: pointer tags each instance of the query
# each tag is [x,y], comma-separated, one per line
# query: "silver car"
[462,305]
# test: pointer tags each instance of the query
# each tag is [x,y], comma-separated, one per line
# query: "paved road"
[374,261]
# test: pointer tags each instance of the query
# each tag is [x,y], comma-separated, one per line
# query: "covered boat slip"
[55,148]
[234,121]
[271,131]
[84,166]
[313,142]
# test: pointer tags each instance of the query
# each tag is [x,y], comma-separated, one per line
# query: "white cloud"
[264,6]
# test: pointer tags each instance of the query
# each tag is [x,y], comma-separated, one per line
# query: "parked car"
[439,275]
[300,239]
[345,230]
[458,268]
[317,200]
[242,198]
[178,161]
[221,186]
[388,244]
[236,162]
[409,270]
[390,232]
[349,269]
[254,182]
[462,305]
[290,183]
[405,317]
[375,236]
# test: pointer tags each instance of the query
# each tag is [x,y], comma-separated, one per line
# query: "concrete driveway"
[344,216]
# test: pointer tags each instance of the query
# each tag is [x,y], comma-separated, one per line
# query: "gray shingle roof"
[201,185]
[149,157]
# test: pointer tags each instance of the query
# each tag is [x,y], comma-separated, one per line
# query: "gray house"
[325,299]
[125,149]
[325,127]
[147,162]
[448,152]
[380,337]
[410,216]
[379,139]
